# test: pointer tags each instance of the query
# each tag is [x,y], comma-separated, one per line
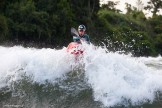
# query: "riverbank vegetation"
[47,23]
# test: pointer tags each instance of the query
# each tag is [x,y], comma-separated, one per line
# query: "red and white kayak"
[75,48]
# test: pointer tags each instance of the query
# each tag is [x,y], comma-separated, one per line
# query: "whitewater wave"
[115,79]
[42,64]
[121,79]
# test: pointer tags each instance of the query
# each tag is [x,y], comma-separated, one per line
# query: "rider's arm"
[76,38]
[87,39]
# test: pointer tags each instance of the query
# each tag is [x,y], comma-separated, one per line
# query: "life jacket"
[84,38]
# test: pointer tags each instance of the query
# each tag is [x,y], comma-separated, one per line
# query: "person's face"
[81,32]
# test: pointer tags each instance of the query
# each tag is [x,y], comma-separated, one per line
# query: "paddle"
[74,32]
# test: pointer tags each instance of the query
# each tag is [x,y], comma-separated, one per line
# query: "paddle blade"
[74,32]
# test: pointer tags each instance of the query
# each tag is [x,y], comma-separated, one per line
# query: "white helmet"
[82,27]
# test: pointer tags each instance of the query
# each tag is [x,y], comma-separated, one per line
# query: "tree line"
[48,22]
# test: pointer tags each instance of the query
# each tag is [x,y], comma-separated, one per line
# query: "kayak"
[75,48]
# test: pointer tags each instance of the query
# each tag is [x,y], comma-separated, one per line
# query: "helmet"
[81,27]
[76,39]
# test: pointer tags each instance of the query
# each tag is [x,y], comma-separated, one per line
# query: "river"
[51,78]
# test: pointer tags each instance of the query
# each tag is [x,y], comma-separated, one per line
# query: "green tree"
[111,6]
[134,12]
[154,5]
[158,43]
[130,9]
[3,28]
[156,25]
[19,15]
[65,16]
[85,10]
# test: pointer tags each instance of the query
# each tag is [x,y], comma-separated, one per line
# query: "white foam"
[41,64]
[155,63]
[116,77]
[113,77]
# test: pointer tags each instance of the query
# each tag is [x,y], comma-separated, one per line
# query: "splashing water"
[115,79]
[118,79]
[42,64]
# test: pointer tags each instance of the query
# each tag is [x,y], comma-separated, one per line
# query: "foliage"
[3,28]
[110,6]
[158,43]
[126,32]
[154,5]
[156,25]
